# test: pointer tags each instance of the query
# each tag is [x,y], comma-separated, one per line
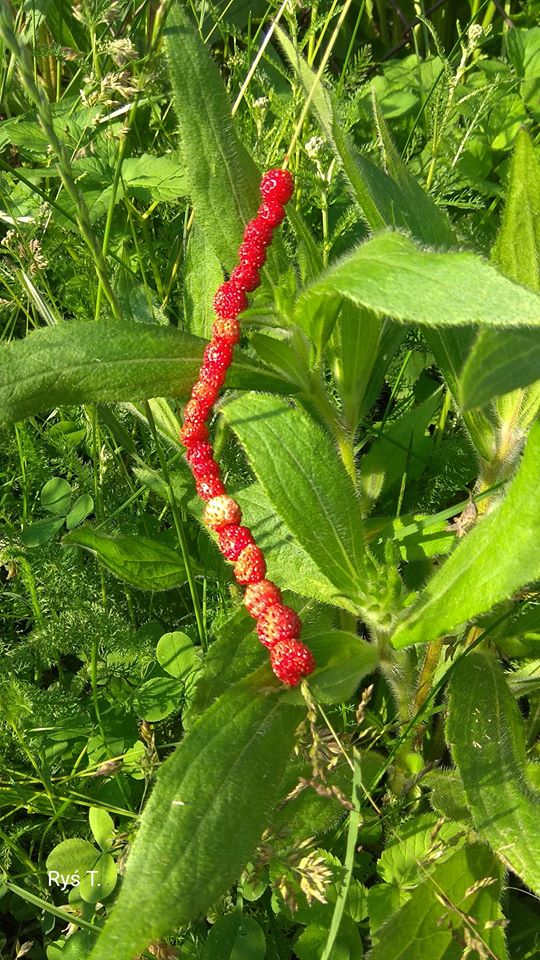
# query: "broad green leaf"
[143,562]
[486,733]
[392,276]
[100,882]
[71,858]
[500,555]
[222,782]
[41,531]
[447,794]
[433,921]
[287,562]
[409,855]
[403,446]
[158,698]
[297,467]
[55,496]
[102,827]
[176,654]
[235,937]
[81,509]
[222,178]
[311,942]
[80,362]
[499,363]
[202,277]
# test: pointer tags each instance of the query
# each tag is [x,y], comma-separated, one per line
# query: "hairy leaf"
[144,563]
[296,465]
[499,363]
[487,736]
[80,362]
[391,275]
[420,929]
[221,782]
[500,555]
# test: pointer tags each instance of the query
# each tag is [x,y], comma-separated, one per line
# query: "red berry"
[193,432]
[250,566]
[252,252]
[291,660]
[217,360]
[259,596]
[259,231]
[232,540]
[221,512]
[205,394]
[195,411]
[229,300]
[246,277]
[271,212]
[277,185]
[201,460]
[278,623]
[209,486]
[227,330]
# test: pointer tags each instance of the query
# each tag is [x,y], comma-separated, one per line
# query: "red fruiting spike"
[258,230]
[250,566]
[195,412]
[205,469]
[229,300]
[259,596]
[278,623]
[252,252]
[277,185]
[209,487]
[205,394]
[227,330]
[272,213]
[221,512]
[232,540]
[291,660]
[246,277]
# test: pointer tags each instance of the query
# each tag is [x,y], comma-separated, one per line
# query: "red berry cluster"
[278,626]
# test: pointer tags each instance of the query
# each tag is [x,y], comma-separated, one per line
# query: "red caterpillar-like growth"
[278,626]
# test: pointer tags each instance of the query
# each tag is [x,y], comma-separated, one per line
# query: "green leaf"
[41,531]
[71,857]
[100,882]
[499,363]
[102,827]
[343,660]
[428,926]
[403,446]
[500,555]
[311,942]
[143,562]
[392,276]
[487,736]
[56,496]
[362,348]
[80,362]
[297,467]
[235,937]
[176,654]
[158,698]
[418,844]
[222,782]
[81,509]
[222,178]
[202,277]
[287,563]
